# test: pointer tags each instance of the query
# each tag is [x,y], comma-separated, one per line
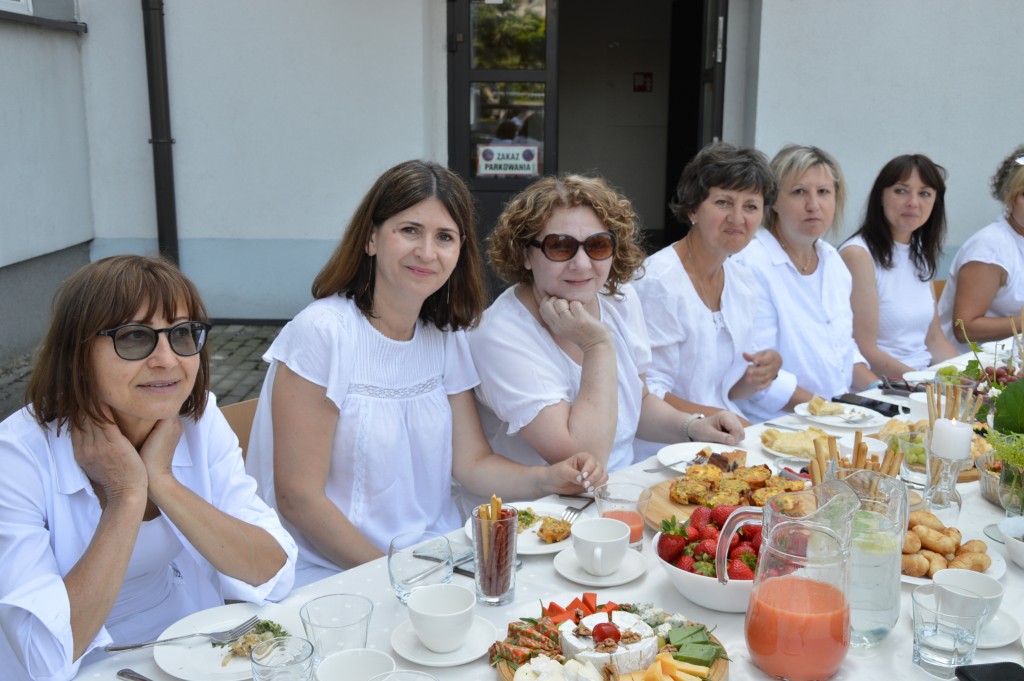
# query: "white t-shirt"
[996,244]
[906,306]
[522,371]
[49,514]
[691,357]
[807,319]
[391,463]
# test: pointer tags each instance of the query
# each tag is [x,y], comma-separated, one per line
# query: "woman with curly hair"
[986,280]
[562,353]
[892,259]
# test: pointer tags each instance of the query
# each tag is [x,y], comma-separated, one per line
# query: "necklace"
[695,278]
[792,256]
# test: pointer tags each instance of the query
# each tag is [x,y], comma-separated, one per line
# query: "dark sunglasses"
[137,341]
[562,247]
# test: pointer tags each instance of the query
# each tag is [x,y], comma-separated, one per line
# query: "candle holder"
[941,497]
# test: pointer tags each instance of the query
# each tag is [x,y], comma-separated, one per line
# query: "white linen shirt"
[996,244]
[391,458]
[807,319]
[685,349]
[49,514]
[522,371]
[906,306]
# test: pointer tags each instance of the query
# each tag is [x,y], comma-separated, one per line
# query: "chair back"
[240,416]
[937,286]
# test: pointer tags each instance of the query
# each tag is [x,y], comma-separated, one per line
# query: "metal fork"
[698,460]
[572,513]
[216,636]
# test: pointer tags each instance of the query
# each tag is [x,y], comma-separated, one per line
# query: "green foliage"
[1007,435]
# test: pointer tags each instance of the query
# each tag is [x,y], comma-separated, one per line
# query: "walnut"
[582,630]
[668,648]
[606,646]
[609,672]
[630,636]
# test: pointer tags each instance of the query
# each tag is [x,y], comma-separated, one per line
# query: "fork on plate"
[215,636]
[572,513]
[698,460]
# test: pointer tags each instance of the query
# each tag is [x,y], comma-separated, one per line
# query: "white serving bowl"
[875,446]
[354,664]
[1013,529]
[707,591]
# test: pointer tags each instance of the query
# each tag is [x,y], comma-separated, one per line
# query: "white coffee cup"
[918,406]
[442,615]
[989,590]
[354,664]
[600,544]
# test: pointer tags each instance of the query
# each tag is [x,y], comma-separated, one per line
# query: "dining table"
[538,582]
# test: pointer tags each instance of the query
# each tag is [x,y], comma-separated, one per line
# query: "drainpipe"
[160,128]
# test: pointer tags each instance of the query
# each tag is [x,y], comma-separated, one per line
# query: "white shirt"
[391,462]
[906,306]
[807,319]
[996,244]
[690,357]
[49,514]
[522,371]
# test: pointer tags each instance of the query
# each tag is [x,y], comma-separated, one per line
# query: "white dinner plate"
[196,659]
[679,455]
[1002,348]
[406,643]
[874,418]
[632,566]
[528,543]
[923,376]
[1003,630]
[996,570]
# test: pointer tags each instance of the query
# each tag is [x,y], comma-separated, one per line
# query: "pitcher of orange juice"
[798,620]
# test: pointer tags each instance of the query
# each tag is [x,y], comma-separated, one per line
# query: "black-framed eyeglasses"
[562,247]
[137,341]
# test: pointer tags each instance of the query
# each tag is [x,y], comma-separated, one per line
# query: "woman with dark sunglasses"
[562,352]
[124,504]
[698,302]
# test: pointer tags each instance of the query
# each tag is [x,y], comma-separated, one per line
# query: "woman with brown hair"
[124,505]
[562,353]
[367,411]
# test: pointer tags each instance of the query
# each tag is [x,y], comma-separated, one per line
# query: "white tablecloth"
[538,582]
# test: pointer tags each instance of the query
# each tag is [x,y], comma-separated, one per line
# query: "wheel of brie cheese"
[628,657]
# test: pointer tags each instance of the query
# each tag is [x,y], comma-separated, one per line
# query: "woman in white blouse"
[367,410]
[698,302]
[986,280]
[892,259]
[804,288]
[562,353]
[124,505]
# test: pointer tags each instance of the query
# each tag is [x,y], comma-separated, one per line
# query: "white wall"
[44,154]
[870,79]
[283,115]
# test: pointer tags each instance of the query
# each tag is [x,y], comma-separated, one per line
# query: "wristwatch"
[689,421]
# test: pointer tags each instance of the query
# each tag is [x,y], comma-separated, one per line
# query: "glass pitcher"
[879,528]
[798,620]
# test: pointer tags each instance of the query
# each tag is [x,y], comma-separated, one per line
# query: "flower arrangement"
[1007,439]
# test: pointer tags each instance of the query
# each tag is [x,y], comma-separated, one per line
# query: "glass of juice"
[627,502]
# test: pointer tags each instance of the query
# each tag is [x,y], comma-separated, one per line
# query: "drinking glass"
[947,620]
[416,559]
[914,447]
[494,545]
[626,502]
[336,622]
[286,658]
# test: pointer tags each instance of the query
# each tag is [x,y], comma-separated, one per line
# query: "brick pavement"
[236,362]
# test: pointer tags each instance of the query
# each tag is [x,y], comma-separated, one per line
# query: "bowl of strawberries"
[687,554]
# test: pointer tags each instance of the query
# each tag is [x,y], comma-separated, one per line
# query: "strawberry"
[734,541]
[670,546]
[686,563]
[750,531]
[692,534]
[756,542]
[700,517]
[742,549]
[709,532]
[739,570]
[704,567]
[706,548]
[720,513]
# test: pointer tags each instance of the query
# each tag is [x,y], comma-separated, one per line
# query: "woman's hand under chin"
[571,320]
[158,449]
[108,458]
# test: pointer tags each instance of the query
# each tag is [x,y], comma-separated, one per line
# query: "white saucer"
[567,565]
[1003,630]
[406,643]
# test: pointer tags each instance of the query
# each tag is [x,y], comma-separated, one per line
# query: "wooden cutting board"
[662,507]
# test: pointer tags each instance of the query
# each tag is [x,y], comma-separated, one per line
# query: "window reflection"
[509,35]
[506,129]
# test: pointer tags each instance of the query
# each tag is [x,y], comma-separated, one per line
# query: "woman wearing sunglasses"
[562,352]
[698,302]
[986,280]
[367,410]
[124,505]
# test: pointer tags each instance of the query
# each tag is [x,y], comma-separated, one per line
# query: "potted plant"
[1007,439]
